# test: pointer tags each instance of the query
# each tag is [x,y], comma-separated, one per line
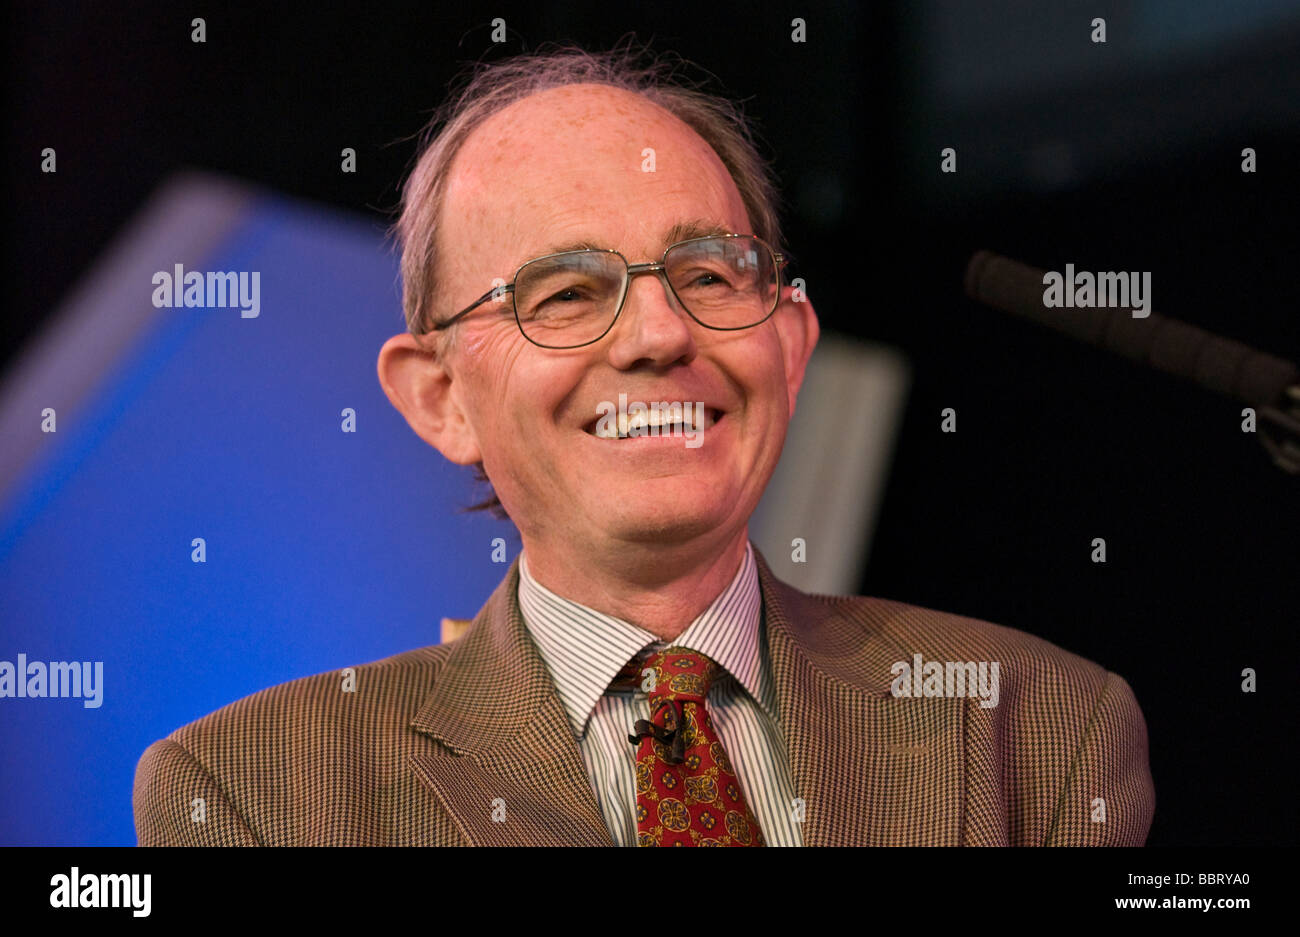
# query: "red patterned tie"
[686,791]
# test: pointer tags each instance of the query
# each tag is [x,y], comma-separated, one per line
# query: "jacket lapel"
[871,769]
[511,774]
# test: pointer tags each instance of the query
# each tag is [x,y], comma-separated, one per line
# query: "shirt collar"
[585,649]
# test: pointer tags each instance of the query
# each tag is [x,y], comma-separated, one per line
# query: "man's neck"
[662,591]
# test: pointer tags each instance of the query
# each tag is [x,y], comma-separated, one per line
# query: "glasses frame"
[657,267]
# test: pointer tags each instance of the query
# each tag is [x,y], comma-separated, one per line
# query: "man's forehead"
[552,170]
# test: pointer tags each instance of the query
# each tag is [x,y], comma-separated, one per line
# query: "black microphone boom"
[1266,382]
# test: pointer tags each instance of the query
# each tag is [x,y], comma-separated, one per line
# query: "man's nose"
[652,328]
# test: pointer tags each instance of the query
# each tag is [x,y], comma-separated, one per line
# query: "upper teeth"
[648,419]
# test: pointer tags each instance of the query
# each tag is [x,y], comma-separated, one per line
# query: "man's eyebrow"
[682,231]
[571,246]
[685,230]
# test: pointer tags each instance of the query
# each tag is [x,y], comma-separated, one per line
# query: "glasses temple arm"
[502,290]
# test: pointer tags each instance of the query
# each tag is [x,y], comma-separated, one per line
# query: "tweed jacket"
[466,743]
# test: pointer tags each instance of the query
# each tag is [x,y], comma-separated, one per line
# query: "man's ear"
[797,326]
[419,385]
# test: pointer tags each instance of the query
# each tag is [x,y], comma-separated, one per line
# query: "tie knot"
[680,674]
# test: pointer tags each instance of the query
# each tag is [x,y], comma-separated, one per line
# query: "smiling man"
[582,232]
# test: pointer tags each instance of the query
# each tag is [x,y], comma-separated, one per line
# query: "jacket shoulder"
[1066,735]
[312,760]
[332,700]
[1026,661]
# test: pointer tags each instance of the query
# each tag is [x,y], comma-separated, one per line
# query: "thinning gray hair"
[488,88]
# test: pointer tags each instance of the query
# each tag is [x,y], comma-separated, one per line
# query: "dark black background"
[1057,443]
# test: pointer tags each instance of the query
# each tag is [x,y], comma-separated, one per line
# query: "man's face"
[566,167]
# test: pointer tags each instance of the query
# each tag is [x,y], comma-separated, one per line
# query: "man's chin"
[663,516]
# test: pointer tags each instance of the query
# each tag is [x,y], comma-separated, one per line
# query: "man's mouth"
[672,422]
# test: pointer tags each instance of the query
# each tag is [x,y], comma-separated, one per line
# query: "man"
[582,232]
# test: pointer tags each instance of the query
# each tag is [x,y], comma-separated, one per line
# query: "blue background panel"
[325,549]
